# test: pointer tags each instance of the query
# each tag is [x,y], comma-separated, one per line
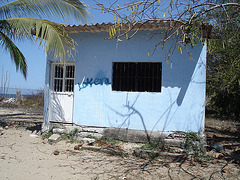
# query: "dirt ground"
[25,155]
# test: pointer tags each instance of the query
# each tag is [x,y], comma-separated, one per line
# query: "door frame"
[63,92]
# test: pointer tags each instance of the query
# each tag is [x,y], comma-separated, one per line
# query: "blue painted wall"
[179,107]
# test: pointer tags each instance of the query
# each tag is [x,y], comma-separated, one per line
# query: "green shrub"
[194,144]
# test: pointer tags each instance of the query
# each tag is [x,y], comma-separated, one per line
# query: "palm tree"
[25,19]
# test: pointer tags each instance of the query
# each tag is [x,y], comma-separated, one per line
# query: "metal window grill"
[69,78]
[137,76]
[58,78]
[63,78]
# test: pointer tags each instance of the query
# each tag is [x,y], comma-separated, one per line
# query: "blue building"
[117,83]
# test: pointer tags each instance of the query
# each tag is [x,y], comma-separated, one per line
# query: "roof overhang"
[140,26]
[151,26]
[124,26]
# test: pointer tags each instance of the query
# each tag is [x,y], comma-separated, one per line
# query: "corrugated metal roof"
[105,27]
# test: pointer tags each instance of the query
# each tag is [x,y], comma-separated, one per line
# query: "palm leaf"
[16,55]
[15,24]
[66,9]
[51,35]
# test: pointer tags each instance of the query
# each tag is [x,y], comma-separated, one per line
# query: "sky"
[36,58]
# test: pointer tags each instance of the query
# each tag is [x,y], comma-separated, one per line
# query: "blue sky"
[36,58]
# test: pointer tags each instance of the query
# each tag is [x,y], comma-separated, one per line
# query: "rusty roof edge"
[141,26]
[125,26]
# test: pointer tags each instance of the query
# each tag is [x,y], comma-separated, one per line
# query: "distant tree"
[223,72]
[20,19]
[223,79]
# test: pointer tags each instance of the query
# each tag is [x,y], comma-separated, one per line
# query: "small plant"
[152,145]
[108,140]
[71,136]
[194,144]
[47,135]
[91,137]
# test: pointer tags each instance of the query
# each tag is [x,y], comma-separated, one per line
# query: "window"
[137,76]
[63,77]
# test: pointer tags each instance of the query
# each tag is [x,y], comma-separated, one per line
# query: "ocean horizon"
[12,92]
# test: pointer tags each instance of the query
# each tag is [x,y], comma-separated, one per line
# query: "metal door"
[62,92]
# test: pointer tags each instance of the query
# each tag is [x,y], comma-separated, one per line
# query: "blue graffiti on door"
[91,81]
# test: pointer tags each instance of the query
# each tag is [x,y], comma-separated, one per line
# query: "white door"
[61,92]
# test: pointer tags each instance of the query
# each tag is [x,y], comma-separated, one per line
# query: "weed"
[152,145]
[194,145]
[65,136]
[71,136]
[91,137]
[47,135]
[108,140]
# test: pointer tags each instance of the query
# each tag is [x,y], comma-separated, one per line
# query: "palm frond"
[2,2]
[16,55]
[51,35]
[16,24]
[65,9]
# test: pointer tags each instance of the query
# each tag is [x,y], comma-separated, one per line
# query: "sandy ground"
[24,155]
